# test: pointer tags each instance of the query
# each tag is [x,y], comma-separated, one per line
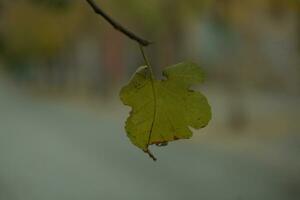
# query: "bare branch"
[116,25]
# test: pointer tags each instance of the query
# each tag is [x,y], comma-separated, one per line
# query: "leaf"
[164,110]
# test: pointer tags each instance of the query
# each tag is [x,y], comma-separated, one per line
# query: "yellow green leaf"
[164,110]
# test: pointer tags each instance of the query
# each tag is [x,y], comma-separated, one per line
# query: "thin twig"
[150,155]
[116,25]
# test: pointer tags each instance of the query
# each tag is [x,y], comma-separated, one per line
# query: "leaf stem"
[147,61]
[150,155]
[154,100]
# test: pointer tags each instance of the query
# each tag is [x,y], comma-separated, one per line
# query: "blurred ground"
[57,149]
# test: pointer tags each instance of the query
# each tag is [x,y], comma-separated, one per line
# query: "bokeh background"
[62,124]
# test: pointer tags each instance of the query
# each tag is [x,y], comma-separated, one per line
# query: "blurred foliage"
[33,30]
[56,4]
[34,27]
[213,32]
[156,14]
[40,29]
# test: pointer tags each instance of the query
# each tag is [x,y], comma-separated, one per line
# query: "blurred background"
[62,123]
